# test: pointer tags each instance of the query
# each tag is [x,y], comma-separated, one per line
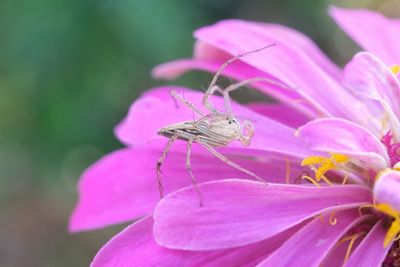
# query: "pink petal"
[311,244]
[238,71]
[370,252]
[372,31]
[140,126]
[387,187]
[345,137]
[369,77]
[337,254]
[122,186]
[303,42]
[204,50]
[237,213]
[279,112]
[286,61]
[135,246]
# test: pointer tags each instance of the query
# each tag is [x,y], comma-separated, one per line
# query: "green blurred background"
[69,71]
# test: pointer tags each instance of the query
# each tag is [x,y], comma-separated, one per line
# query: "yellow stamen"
[395,69]
[392,233]
[332,218]
[339,158]
[311,180]
[328,165]
[326,180]
[352,239]
[394,228]
[388,210]
[325,163]
[313,160]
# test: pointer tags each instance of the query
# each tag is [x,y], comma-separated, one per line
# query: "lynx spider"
[215,129]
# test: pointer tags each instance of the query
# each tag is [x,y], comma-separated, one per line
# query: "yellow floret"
[325,163]
[395,69]
[394,228]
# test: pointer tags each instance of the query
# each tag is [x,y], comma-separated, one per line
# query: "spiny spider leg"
[189,168]
[206,98]
[190,105]
[231,60]
[160,162]
[210,89]
[228,161]
[235,86]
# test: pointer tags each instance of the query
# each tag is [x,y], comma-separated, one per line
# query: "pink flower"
[243,222]
[122,186]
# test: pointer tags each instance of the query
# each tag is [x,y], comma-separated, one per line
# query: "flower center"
[321,165]
[393,257]
[393,232]
[394,229]
[335,161]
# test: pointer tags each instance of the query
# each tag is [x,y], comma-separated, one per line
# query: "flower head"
[346,209]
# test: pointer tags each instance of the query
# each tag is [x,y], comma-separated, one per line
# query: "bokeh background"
[69,71]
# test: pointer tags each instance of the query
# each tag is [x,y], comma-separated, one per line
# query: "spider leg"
[228,161]
[187,103]
[189,168]
[231,60]
[160,162]
[207,95]
[213,87]
[235,86]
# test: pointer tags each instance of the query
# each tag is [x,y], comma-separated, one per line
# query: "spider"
[215,129]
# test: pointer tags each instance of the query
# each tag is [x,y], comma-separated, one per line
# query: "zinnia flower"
[243,222]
